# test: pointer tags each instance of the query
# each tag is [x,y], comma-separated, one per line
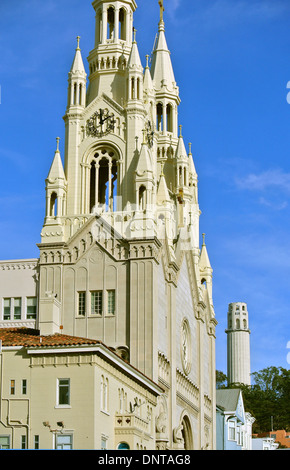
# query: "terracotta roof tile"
[28,337]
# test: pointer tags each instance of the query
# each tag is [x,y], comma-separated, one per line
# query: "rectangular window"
[36,442]
[23,442]
[31,308]
[63,442]
[111,302]
[97,302]
[232,431]
[6,309]
[24,387]
[12,387]
[4,442]
[17,308]
[104,440]
[82,304]
[63,392]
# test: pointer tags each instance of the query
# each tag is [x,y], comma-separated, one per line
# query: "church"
[120,256]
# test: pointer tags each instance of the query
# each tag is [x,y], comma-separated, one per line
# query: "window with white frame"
[12,308]
[4,442]
[82,304]
[111,302]
[63,392]
[31,308]
[64,441]
[97,302]
[232,430]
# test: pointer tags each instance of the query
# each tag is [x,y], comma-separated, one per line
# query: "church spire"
[161,68]
[77,80]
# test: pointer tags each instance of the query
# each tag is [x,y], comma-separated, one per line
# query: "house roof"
[227,399]
[31,338]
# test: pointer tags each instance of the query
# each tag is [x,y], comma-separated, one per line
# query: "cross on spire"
[162,9]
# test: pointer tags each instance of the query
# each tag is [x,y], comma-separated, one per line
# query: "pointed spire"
[56,170]
[181,153]
[162,191]
[78,65]
[191,163]
[204,262]
[161,68]
[145,162]
[134,59]
[148,83]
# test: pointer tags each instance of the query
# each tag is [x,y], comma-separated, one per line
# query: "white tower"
[238,344]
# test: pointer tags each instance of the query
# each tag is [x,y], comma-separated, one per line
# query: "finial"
[162,166]
[57,144]
[180,131]
[189,149]
[134,34]
[78,43]
[162,9]
[203,239]
[147,60]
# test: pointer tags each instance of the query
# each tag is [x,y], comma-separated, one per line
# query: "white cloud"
[267,179]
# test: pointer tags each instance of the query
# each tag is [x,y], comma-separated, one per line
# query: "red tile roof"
[31,338]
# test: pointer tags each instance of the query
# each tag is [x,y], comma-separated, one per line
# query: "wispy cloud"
[267,179]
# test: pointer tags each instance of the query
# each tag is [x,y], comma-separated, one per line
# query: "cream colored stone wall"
[86,418]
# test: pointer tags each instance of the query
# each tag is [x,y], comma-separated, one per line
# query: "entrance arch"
[187,433]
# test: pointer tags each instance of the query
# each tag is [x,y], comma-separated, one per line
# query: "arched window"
[104,180]
[53,205]
[122,24]
[238,324]
[111,23]
[245,324]
[123,446]
[142,198]
[169,118]
[159,116]
[187,433]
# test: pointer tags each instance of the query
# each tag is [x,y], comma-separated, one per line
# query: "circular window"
[185,346]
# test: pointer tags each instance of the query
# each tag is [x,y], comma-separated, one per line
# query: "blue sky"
[231,61]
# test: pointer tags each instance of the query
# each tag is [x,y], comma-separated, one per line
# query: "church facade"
[120,258]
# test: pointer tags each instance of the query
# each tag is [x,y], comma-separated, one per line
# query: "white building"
[120,255]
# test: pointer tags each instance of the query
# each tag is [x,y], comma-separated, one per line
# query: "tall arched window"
[159,116]
[104,180]
[122,24]
[111,23]
[169,118]
[142,198]
[53,205]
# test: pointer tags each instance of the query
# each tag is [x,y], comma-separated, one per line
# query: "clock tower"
[120,255]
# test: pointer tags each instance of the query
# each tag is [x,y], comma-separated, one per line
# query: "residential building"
[234,424]
[64,392]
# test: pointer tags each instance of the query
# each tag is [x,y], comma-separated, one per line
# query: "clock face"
[100,123]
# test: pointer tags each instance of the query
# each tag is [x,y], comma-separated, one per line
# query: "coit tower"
[238,344]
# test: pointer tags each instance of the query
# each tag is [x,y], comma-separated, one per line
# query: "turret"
[77,82]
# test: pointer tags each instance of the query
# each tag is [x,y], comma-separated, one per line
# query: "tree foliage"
[268,399]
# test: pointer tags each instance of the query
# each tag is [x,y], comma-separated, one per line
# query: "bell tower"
[113,42]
